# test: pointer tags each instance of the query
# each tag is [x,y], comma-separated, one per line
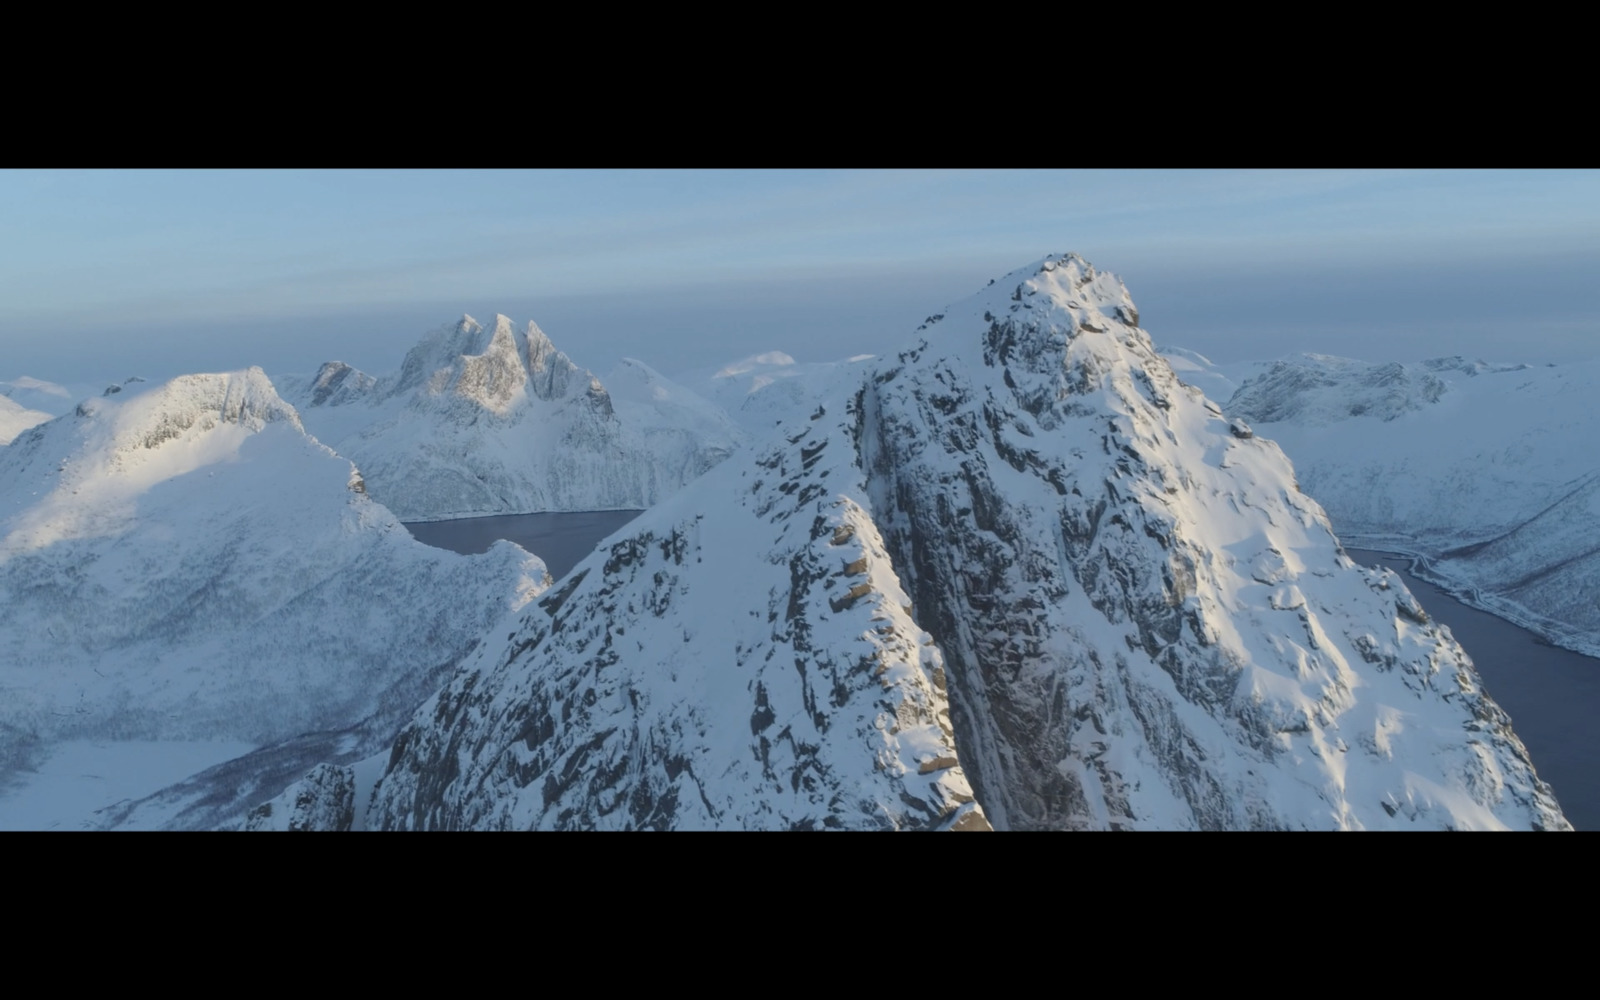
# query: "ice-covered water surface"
[1550,692]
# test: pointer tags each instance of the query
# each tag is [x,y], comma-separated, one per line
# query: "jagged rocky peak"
[551,372]
[337,383]
[1031,314]
[1017,574]
[1144,621]
[437,350]
[599,399]
[494,379]
[323,800]
[493,368]
[490,420]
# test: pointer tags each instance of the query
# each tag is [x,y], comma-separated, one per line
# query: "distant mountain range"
[495,420]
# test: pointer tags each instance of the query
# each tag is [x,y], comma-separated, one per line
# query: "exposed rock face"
[750,664]
[1146,623]
[491,420]
[337,383]
[1133,619]
[324,800]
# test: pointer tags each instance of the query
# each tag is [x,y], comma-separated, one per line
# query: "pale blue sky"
[104,273]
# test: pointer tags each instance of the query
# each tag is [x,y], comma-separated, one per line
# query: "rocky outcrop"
[337,384]
[324,800]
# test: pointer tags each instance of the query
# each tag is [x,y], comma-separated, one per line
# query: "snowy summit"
[496,420]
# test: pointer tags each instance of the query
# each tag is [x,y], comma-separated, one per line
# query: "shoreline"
[1555,634]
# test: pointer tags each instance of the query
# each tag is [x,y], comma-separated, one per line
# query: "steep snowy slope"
[673,419]
[493,421]
[743,657]
[15,418]
[1485,471]
[1138,620]
[182,561]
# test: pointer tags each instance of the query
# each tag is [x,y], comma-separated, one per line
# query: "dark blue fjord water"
[561,540]
[1551,694]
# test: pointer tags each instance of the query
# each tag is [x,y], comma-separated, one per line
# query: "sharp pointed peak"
[534,333]
[505,334]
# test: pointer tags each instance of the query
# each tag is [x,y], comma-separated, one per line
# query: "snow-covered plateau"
[182,563]
[1483,473]
[1017,576]
[495,420]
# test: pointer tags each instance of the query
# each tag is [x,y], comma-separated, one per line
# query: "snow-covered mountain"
[16,418]
[46,397]
[1485,471]
[181,561]
[764,390]
[1017,575]
[492,421]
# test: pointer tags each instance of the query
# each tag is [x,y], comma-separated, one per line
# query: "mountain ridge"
[1118,597]
[177,562]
